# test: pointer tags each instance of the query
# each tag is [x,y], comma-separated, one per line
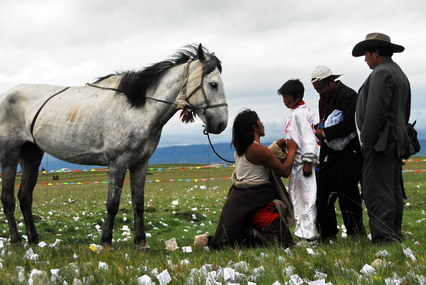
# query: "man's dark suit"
[339,170]
[382,114]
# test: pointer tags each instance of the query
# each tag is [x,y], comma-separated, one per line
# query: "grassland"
[182,201]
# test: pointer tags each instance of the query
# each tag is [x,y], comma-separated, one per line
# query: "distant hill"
[198,154]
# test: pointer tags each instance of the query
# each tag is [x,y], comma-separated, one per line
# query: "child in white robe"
[302,185]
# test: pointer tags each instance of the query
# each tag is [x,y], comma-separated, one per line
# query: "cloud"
[261,45]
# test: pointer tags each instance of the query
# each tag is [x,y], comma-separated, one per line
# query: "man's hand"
[307,169]
[319,133]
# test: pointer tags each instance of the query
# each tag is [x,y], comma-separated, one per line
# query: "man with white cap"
[382,114]
[340,157]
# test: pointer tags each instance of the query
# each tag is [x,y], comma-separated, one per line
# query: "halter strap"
[182,101]
[39,110]
[119,91]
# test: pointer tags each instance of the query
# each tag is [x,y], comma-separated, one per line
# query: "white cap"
[321,72]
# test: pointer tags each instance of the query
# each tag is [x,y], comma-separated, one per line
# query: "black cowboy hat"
[375,40]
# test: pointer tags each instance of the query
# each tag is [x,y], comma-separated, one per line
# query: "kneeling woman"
[256,209]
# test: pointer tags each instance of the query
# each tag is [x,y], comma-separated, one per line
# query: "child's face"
[289,101]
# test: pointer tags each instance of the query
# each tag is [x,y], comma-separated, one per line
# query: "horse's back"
[17,108]
[26,98]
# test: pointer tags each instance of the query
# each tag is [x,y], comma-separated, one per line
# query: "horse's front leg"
[115,183]
[137,184]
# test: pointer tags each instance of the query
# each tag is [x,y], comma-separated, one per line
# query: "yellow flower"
[95,248]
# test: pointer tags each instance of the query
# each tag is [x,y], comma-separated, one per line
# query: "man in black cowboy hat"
[382,114]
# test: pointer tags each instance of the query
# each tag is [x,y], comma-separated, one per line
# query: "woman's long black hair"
[242,130]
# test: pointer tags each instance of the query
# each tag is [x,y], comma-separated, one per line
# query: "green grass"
[68,217]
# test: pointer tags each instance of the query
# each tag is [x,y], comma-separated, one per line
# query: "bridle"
[182,102]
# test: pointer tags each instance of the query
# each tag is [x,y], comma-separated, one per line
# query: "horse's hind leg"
[30,159]
[9,162]
[137,184]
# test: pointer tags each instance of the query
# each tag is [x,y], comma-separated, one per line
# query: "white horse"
[115,122]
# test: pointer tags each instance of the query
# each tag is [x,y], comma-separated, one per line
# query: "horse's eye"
[213,85]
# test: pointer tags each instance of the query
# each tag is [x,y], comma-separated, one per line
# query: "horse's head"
[204,91]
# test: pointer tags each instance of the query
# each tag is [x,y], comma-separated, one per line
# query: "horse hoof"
[144,248]
[33,241]
[16,244]
[107,247]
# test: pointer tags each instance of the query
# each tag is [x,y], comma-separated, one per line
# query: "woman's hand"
[281,143]
[291,146]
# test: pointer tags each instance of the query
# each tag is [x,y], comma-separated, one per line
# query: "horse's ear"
[200,53]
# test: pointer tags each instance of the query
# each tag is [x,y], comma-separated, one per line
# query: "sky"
[261,45]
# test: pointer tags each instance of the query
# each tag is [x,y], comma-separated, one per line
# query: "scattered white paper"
[228,274]
[318,282]
[102,265]
[259,270]
[295,280]
[144,280]
[29,254]
[382,253]
[37,277]
[288,251]
[289,270]
[311,251]
[367,270]
[54,275]
[171,244]
[164,277]
[241,266]
[185,262]
[187,249]
[21,275]
[320,275]
[409,253]
[57,241]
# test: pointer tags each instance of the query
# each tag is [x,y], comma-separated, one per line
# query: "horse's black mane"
[135,84]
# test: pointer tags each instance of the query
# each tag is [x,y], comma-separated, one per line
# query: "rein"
[182,102]
[119,91]
[211,145]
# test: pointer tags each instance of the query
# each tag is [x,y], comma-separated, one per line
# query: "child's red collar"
[298,104]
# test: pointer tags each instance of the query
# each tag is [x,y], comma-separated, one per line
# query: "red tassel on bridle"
[187,115]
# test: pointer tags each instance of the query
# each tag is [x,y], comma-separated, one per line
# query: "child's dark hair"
[242,130]
[293,88]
